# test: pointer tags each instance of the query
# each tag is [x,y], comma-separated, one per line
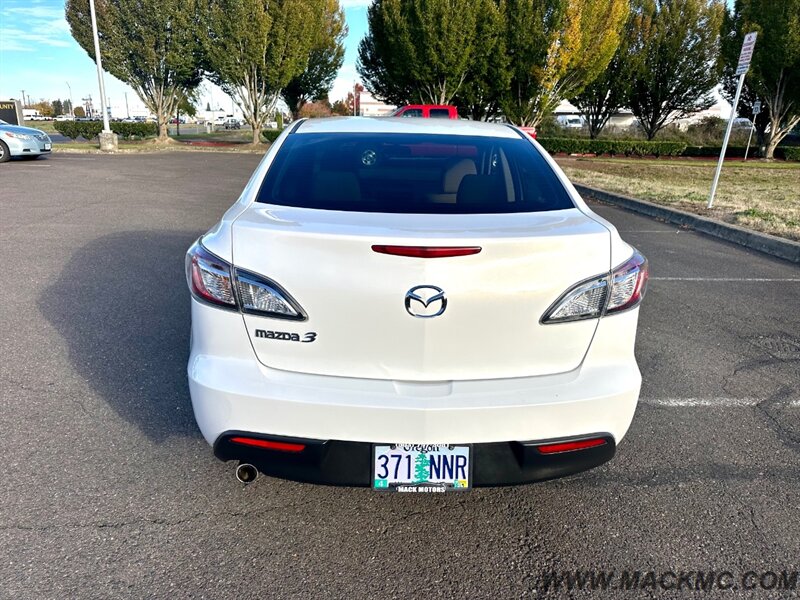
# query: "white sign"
[746,55]
[756,107]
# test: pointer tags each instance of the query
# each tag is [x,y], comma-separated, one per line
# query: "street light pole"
[71,103]
[99,62]
[108,140]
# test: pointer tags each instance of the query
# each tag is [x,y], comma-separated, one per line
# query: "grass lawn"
[756,195]
[134,146]
[234,136]
[46,126]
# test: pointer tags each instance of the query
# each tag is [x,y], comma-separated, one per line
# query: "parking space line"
[730,279]
[721,402]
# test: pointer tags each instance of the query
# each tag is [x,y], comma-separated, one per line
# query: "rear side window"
[412,112]
[412,173]
[439,113]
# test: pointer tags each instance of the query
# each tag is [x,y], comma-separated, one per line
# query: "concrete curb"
[763,242]
[171,148]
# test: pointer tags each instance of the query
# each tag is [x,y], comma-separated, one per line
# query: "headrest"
[455,173]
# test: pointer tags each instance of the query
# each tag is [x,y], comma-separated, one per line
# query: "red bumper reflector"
[570,446]
[269,444]
[427,251]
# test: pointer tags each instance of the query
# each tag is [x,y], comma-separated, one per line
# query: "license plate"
[47,146]
[421,468]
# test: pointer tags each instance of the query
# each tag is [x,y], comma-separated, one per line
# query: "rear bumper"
[231,391]
[335,462]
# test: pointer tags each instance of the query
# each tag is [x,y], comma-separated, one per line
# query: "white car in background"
[412,305]
[570,121]
[24,142]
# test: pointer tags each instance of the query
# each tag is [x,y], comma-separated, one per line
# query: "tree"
[729,52]
[345,107]
[420,50]
[774,75]
[152,45]
[79,112]
[341,109]
[324,61]
[312,110]
[489,74]
[44,107]
[67,107]
[254,48]
[58,107]
[421,467]
[556,47]
[677,42]
[607,94]
[186,105]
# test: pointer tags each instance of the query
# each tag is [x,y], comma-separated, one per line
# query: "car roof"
[406,125]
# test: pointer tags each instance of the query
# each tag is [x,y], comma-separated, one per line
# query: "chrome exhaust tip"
[246,473]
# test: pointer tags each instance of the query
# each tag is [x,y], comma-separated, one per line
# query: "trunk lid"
[355,298]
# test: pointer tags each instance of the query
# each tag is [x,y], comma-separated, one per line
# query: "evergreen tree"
[421,51]
[421,467]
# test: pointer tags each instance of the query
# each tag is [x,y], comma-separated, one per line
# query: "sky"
[39,56]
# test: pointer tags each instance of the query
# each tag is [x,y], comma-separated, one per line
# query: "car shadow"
[122,306]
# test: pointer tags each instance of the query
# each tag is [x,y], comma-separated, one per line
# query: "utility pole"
[108,140]
[23,99]
[127,110]
[745,56]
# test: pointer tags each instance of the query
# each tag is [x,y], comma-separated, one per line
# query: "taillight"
[259,295]
[620,290]
[584,301]
[209,277]
[210,280]
[628,284]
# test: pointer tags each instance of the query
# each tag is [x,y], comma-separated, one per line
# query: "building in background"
[370,107]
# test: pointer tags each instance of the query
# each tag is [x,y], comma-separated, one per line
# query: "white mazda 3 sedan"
[412,305]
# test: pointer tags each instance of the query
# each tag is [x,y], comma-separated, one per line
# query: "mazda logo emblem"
[425,301]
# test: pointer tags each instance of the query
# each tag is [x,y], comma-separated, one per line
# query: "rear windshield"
[412,173]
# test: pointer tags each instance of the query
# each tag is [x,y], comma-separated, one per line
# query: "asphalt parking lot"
[108,489]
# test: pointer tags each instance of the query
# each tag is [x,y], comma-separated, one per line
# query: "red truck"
[439,111]
[427,111]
